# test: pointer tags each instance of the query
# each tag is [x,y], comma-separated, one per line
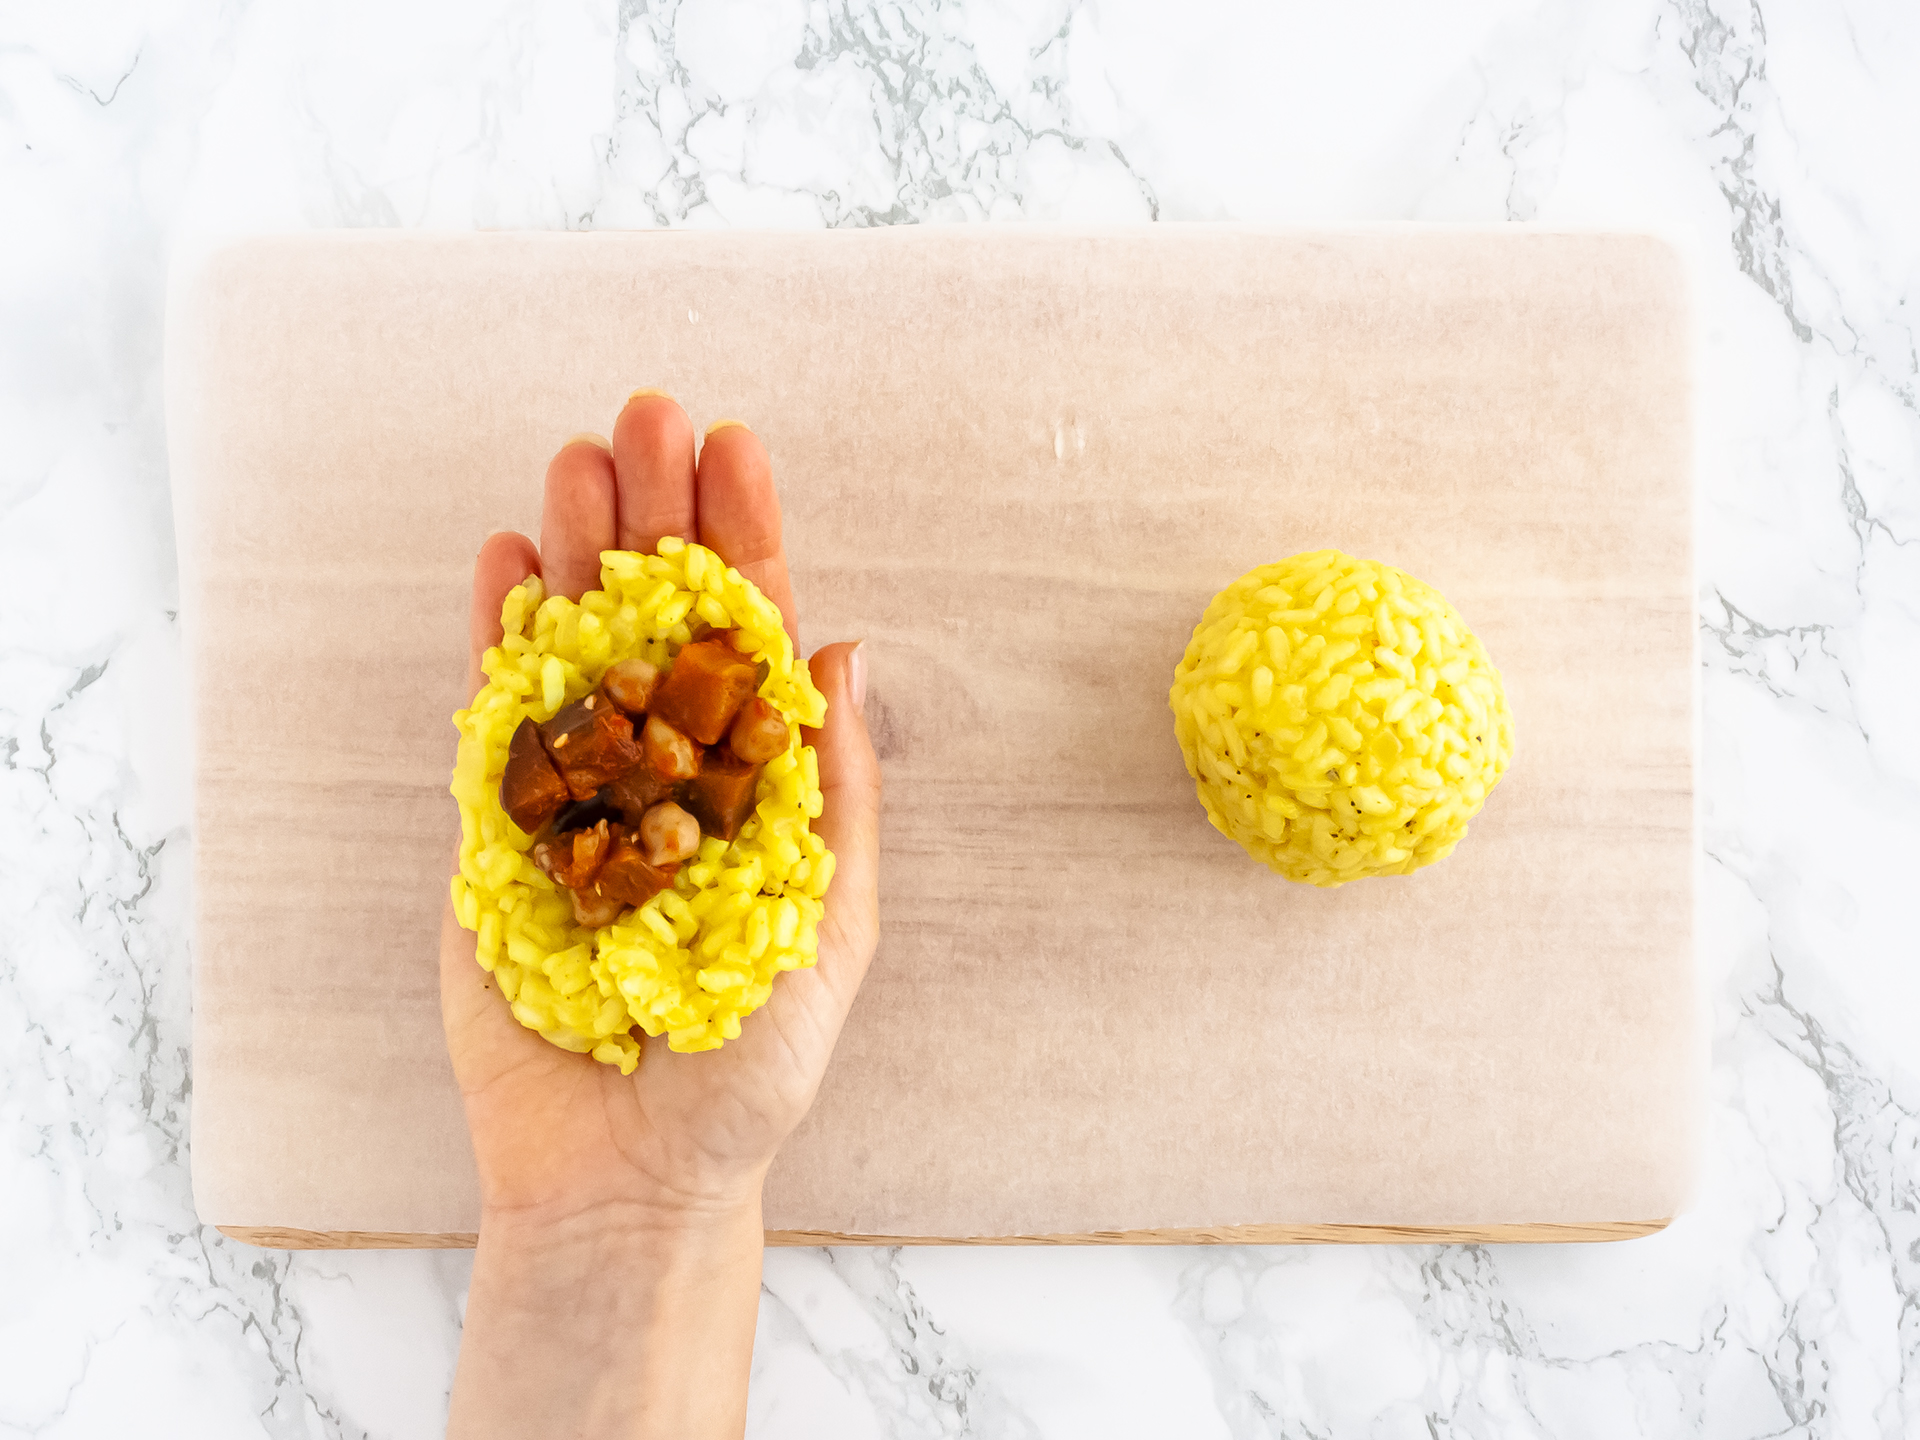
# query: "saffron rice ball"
[1339,719]
[696,958]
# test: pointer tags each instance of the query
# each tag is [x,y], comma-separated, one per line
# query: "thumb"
[849,818]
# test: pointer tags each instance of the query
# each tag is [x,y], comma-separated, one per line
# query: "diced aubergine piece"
[721,795]
[630,684]
[574,860]
[569,724]
[759,732]
[585,814]
[531,790]
[704,690]
[637,792]
[670,755]
[628,878]
[591,742]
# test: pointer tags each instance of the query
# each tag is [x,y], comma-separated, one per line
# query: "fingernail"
[857,678]
[643,394]
[587,437]
[726,425]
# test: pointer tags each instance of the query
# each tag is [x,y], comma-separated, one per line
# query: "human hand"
[661,1170]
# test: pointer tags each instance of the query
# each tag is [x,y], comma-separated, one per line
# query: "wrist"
[640,1210]
[639,1313]
[650,1228]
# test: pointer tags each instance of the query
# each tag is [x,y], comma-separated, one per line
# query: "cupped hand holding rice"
[1339,719]
[670,837]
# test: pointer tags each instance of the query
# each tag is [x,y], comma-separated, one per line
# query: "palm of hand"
[558,1133]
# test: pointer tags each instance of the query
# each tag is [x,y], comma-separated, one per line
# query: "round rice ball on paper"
[701,953]
[1339,719]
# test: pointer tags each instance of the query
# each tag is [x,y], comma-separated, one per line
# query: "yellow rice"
[1339,719]
[694,959]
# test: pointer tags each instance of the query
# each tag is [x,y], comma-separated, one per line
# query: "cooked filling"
[618,788]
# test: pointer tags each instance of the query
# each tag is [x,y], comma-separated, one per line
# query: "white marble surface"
[1777,141]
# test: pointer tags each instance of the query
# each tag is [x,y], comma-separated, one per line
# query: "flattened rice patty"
[695,959]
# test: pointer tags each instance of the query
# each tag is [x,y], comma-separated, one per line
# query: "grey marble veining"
[1775,142]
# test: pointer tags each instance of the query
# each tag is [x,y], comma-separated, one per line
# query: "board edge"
[1584,1232]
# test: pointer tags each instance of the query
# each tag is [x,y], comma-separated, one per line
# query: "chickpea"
[630,684]
[593,910]
[670,755]
[668,834]
[759,732]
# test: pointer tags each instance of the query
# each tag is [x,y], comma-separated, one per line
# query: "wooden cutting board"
[1018,461]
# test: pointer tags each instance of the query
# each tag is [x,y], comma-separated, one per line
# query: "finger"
[849,818]
[505,559]
[577,518]
[740,512]
[653,458]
